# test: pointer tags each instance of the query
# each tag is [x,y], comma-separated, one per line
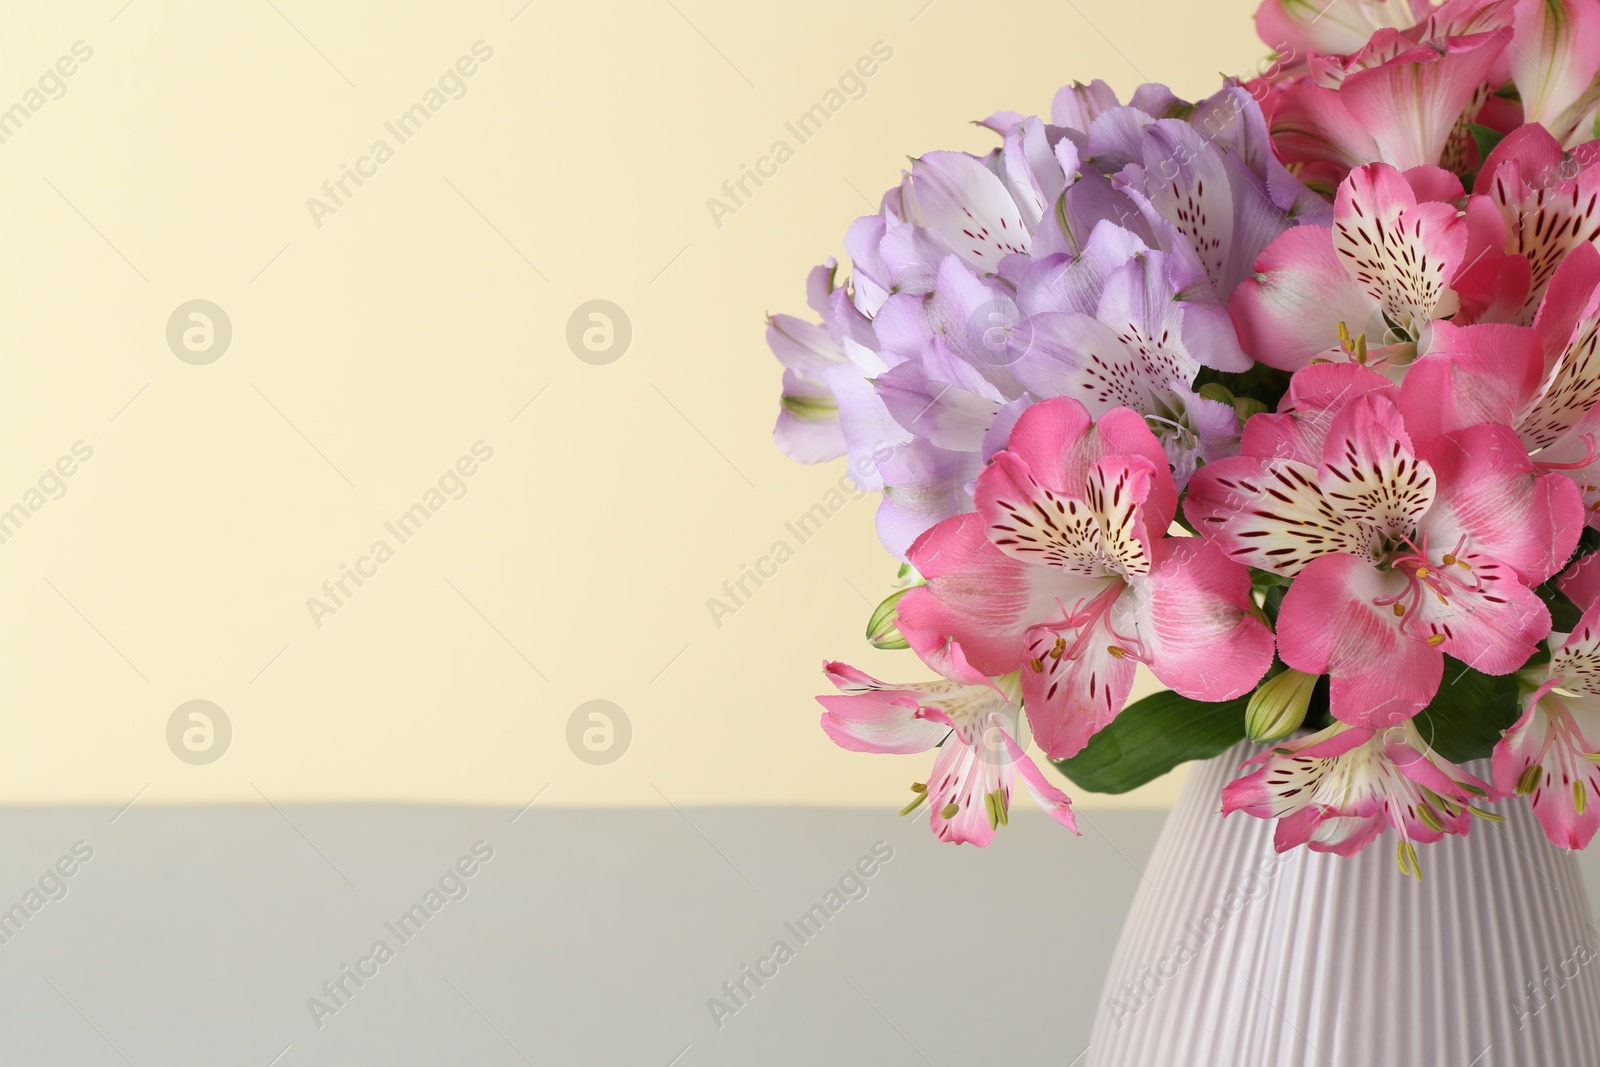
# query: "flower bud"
[882,631]
[1278,706]
[1246,406]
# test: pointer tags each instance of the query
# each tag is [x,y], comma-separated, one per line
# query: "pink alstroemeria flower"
[1542,381]
[1400,98]
[1554,57]
[1401,550]
[1304,26]
[974,724]
[1337,790]
[1399,255]
[1549,199]
[1065,573]
[1552,754]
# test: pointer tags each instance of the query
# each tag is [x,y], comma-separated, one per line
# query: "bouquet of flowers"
[1291,395]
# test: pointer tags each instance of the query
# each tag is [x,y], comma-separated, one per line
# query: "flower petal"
[1329,625]
[1550,202]
[1472,374]
[1568,324]
[978,596]
[1412,102]
[1059,442]
[1491,622]
[1311,124]
[969,208]
[1401,252]
[1370,471]
[1078,686]
[1554,735]
[1196,624]
[878,721]
[1271,514]
[1556,56]
[1096,536]
[1492,497]
[1055,803]
[1581,582]
[1290,311]
[1577,661]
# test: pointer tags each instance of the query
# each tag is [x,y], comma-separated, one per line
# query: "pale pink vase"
[1236,956]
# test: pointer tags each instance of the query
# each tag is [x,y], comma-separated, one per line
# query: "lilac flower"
[1088,256]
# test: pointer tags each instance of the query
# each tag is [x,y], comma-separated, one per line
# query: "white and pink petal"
[1337,620]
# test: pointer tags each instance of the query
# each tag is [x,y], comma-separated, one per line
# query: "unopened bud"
[1246,406]
[1278,706]
[882,630]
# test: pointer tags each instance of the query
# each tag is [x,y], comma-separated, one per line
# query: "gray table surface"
[201,935]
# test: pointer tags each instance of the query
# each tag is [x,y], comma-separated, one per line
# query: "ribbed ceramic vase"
[1236,956]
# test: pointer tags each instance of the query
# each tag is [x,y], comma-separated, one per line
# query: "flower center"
[1082,622]
[1443,578]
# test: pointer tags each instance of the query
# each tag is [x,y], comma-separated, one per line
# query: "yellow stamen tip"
[1117,652]
[1435,640]
[949,810]
[1399,609]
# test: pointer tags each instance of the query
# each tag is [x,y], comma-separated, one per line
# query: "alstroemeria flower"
[1542,381]
[1121,345]
[1065,573]
[1306,26]
[1142,217]
[828,406]
[1337,790]
[1401,98]
[1550,202]
[972,722]
[1554,57]
[1402,550]
[1399,255]
[1552,754]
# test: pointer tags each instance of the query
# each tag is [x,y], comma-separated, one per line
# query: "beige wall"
[371,351]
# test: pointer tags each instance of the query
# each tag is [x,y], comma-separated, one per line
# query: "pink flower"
[1399,255]
[1552,754]
[1301,27]
[1542,381]
[1337,790]
[1401,550]
[1547,198]
[1401,97]
[974,725]
[1065,573]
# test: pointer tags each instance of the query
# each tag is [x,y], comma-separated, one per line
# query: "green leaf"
[1260,382]
[1152,736]
[1564,614]
[1484,138]
[1469,712]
